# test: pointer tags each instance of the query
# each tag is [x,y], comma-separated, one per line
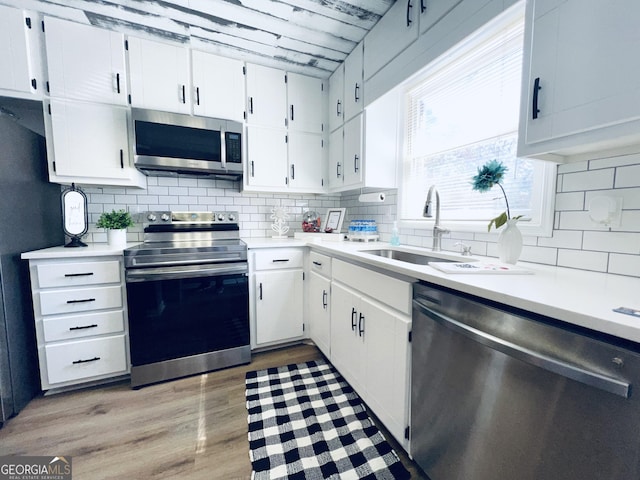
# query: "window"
[461,113]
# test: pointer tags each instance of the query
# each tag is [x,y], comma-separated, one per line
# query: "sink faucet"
[428,213]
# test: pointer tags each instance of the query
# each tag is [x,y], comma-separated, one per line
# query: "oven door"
[186,311]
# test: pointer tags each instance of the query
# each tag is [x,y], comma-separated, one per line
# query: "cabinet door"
[395,31]
[575,46]
[319,308]
[266,96]
[336,98]
[432,11]
[347,347]
[336,155]
[387,374]
[305,97]
[306,165]
[15,73]
[279,302]
[218,86]
[89,140]
[353,151]
[159,75]
[266,157]
[85,62]
[353,84]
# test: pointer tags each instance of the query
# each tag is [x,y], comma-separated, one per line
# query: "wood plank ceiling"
[305,36]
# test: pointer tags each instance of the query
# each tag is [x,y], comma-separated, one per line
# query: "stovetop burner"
[179,238]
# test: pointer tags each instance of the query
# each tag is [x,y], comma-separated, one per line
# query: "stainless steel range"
[187,295]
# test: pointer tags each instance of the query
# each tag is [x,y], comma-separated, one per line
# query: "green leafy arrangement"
[115,220]
[489,175]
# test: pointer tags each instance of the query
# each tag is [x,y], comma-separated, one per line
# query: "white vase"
[117,238]
[510,242]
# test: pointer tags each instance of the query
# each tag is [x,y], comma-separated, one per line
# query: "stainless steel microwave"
[172,144]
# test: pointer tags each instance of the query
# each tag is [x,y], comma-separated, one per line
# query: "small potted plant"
[116,223]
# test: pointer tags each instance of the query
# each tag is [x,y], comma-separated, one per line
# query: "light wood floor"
[191,428]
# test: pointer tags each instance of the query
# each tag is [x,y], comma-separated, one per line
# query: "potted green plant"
[116,223]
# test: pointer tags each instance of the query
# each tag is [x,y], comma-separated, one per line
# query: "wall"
[576,242]
[190,194]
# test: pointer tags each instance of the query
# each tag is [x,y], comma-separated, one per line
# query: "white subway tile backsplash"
[629,221]
[572,167]
[562,239]
[578,221]
[624,264]
[627,176]
[570,201]
[535,254]
[618,242]
[583,259]
[589,180]
[617,161]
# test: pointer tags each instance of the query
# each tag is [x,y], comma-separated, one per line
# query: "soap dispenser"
[395,236]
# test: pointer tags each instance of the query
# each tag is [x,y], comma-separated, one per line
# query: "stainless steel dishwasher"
[498,394]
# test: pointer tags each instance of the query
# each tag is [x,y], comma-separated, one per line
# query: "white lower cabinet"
[81,320]
[370,344]
[318,301]
[277,296]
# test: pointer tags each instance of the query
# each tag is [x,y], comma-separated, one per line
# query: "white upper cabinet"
[395,31]
[159,75]
[431,11]
[336,98]
[85,62]
[353,83]
[307,167]
[266,157]
[266,96]
[581,82]
[305,103]
[218,86]
[88,143]
[18,46]
[353,152]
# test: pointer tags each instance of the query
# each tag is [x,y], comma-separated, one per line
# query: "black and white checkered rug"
[306,422]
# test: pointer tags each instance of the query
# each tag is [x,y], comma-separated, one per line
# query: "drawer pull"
[354,314]
[319,264]
[84,300]
[280,260]
[83,327]
[94,359]
[78,274]
[324,299]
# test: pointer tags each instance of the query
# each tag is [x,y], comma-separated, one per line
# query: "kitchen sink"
[411,257]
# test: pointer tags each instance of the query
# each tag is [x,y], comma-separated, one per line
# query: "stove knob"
[165,217]
[232,217]
[151,217]
[221,216]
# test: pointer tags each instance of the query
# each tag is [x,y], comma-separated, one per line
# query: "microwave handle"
[223,148]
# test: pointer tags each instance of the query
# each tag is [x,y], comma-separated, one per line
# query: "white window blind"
[463,112]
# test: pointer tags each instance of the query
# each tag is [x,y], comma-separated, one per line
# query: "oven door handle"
[187,271]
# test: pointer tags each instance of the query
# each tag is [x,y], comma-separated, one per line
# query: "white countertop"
[91,250]
[574,296]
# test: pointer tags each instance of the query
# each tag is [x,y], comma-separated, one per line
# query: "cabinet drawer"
[320,263]
[388,290]
[87,358]
[80,299]
[79,326]
[71,274]
[278,258]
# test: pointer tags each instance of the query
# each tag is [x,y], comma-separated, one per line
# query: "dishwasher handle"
[559,367]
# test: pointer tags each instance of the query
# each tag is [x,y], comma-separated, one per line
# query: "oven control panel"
[166,217]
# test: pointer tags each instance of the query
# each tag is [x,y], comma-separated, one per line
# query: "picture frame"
[333,220]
